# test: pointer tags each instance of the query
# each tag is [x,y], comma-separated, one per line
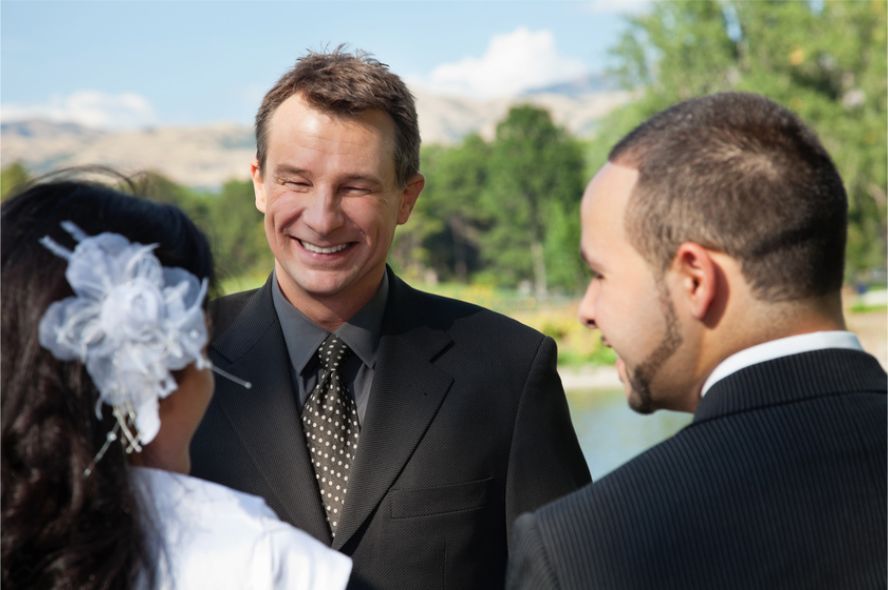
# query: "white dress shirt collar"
[778,348]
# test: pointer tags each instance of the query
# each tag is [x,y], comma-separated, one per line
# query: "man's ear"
[697,278]
[409,196]
[258,185]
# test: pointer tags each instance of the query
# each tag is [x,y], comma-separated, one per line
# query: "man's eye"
[293,182]
[355,189]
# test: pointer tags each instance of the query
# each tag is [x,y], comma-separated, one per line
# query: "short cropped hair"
[347,84]
[738,173]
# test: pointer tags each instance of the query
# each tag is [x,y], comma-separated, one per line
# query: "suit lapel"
[265,417]
[406,393]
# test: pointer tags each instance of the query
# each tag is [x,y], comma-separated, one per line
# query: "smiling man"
[716,235]
[404,429]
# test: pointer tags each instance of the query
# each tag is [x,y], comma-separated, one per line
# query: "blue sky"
[130,63]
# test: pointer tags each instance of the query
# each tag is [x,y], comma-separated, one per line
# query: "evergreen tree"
[535,184]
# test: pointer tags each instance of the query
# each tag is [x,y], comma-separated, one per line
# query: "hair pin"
[234,379]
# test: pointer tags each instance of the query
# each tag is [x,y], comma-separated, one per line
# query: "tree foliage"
[824,60]
[503,212]
[444,233]
[11,178]
[536,179]
[236,231]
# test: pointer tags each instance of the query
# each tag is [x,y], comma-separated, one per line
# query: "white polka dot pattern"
[330,422]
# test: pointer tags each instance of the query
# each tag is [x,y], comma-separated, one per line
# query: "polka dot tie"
[330,422]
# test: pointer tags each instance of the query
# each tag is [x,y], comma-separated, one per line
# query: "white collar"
[778,348]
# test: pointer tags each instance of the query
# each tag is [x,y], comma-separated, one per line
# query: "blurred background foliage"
[498,221]
[825,60]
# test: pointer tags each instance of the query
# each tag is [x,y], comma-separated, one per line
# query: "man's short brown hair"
[738,173]
[347,84]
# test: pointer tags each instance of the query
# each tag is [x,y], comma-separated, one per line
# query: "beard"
[640,378]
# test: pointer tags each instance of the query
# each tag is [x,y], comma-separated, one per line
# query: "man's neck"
[328,313]
[761,322]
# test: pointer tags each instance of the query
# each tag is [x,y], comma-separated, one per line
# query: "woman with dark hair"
[104,380]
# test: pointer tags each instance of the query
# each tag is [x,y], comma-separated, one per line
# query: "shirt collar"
[361,333]
[303,337]
[780,348]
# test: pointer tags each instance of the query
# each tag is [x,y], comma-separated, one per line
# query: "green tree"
[535,182]
[444,232]
[236,232]
[409,254]
[158,187]
[463,174]
[11,178]
[456,182]
[825,60]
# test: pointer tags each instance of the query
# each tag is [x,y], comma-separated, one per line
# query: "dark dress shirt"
[360,333]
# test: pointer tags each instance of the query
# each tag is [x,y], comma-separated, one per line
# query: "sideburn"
[640,379]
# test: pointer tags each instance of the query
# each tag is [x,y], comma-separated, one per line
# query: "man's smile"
[316,249]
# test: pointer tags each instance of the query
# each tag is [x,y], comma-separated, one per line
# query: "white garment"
[205,535]
[778,348]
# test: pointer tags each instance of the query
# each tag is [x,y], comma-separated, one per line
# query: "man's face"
[331,202]
[625,300]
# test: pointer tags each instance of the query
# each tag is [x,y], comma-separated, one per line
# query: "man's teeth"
[320,250]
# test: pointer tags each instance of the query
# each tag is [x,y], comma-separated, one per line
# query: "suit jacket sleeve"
[529,566]
[545,460]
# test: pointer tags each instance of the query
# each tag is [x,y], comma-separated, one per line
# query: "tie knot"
[331,351]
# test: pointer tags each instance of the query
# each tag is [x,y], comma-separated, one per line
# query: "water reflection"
[610,433]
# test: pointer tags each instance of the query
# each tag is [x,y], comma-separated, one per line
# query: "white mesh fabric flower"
[131,321]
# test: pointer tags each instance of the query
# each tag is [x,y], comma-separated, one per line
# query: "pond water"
[611,433]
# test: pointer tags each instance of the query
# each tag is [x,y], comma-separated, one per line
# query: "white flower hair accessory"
[131,321]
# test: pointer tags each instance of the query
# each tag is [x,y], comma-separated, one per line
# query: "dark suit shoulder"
[723,453]
[224,310]
[455,315]
[734,499]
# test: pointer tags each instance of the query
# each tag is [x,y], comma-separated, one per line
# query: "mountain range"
[208,155]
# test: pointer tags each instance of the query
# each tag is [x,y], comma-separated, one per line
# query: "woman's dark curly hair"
[61,529]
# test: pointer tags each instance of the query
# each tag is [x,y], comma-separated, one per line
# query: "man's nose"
[587,306]
[323,214]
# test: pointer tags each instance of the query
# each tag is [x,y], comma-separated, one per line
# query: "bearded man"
[716,237]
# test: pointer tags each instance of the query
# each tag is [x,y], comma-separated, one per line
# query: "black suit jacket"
[779,482]
[466,427]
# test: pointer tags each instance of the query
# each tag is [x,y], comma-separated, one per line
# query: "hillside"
[207,156]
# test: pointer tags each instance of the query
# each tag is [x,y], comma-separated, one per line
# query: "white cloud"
[512,63]
[91,108]
[627,7]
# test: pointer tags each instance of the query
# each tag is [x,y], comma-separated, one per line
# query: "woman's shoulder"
[174,491]
[209,532]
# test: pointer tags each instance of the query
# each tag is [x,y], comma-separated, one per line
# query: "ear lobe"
[698,278]
[409,196]
[258,185]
